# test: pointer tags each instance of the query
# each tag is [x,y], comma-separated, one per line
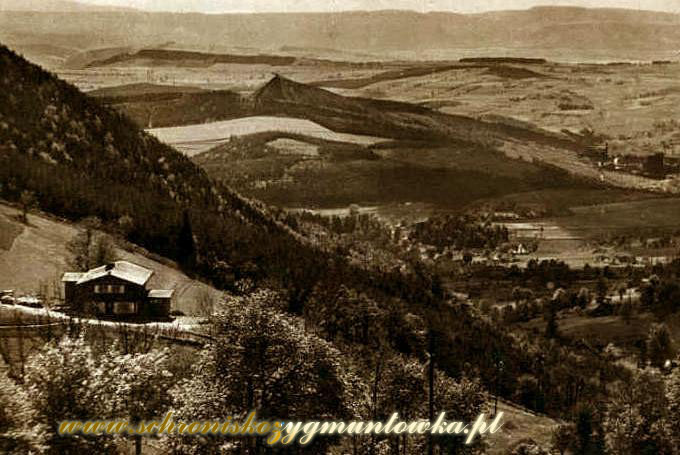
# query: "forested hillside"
[383,311]
[81,160]
[155,106]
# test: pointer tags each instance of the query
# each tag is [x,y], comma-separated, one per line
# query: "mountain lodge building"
[116,291]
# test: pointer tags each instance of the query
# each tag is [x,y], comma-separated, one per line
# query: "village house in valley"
[116,291]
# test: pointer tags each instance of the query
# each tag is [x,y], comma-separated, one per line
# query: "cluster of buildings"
[655,165]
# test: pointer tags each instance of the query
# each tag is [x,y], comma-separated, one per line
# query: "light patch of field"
[518,425]
[570,162]
[293,147]
[608,329]
[539,230]
[390,214]
[570,238]
[38,257]
[622,216]
[339,212]
[393,214]
[554,242]
[194,139]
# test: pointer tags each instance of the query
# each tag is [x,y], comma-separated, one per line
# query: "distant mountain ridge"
[55,6]
[207,59]
[534,31]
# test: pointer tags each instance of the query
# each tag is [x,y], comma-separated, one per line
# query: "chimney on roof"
[110,266]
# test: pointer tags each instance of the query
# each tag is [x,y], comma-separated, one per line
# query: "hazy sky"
[463,6]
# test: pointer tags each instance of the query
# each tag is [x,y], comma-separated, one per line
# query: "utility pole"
[499,371]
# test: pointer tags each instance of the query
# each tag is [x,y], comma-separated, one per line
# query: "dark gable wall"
[87,299]
[84,300]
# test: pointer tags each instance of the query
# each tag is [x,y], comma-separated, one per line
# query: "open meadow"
[194,139]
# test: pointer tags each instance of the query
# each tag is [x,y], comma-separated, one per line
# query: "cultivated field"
[635,105]
[661,214]
[236,77]
[194,139]
[576,237]
[533,112]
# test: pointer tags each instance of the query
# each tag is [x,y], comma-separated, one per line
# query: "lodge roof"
[71,277]
[120,269]
[161,293]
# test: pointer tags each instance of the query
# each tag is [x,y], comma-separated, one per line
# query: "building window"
[109,289]
[125,308]
[101,307]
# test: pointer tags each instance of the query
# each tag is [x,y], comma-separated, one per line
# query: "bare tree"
[91,248]
[205,302]
[28,201]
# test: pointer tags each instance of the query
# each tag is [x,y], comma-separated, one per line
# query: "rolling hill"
[281,96]
[432,154]
[385,118]
[294,170]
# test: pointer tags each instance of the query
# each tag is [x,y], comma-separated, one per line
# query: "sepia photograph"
[348,227]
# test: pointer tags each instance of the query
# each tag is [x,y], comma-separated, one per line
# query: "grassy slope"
[659,214]
[37,254]
[519,425]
